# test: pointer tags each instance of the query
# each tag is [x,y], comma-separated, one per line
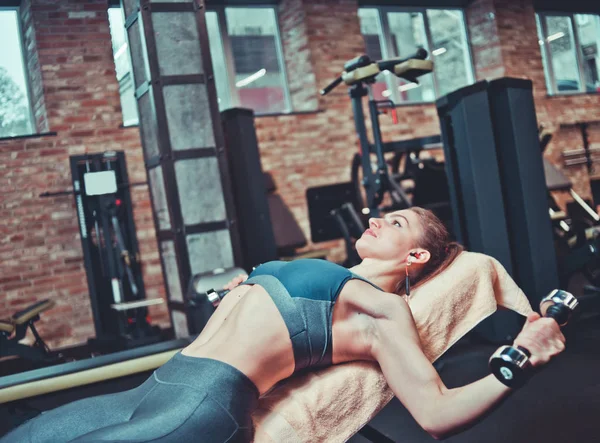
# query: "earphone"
[408,263]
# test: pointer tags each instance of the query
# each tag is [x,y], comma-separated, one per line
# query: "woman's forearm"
[461,407]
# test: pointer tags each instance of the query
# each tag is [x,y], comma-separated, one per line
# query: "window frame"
[129,74]
[386,46]
[232,95]
[28,93]
[228,53]
[550,78]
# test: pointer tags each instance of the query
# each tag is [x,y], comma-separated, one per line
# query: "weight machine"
[576,231]
[110,252]
[334,209]
[14,329]
[360,73]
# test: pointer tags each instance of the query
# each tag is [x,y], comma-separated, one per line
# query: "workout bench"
[18,324]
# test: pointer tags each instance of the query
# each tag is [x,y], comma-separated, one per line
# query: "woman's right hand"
[235,281]
[542,337]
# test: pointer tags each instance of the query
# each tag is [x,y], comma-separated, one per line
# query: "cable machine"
[110,251]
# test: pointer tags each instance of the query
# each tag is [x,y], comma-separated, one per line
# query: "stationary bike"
[360,73]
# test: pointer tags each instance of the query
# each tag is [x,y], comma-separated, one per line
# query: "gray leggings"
[187,399]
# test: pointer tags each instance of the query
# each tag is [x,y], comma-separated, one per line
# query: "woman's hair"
[436,239]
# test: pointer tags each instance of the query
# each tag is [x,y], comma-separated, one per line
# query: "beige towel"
[332,404]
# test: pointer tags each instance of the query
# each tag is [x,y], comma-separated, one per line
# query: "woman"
[296,316]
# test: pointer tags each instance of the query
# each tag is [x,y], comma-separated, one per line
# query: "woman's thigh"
[173,413]
[72,420]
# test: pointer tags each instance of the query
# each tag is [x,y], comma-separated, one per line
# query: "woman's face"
[390,237]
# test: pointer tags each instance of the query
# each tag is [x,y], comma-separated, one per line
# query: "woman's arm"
[413,379]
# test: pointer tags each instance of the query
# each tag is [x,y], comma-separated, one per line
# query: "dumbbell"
[511,364]
[215,296]
[202,286]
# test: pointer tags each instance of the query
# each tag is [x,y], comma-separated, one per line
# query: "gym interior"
[152,151]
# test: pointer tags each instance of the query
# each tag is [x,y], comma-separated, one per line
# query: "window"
[569,45]
[123,67]
[399,32]
[246,54]
[248,59]
[16,117]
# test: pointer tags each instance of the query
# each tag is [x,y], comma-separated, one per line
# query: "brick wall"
[485,42]
[76,95]
[297,56]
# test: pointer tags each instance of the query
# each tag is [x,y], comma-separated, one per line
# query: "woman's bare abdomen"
[248,332]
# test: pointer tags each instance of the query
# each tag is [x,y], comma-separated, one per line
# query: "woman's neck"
[386,275]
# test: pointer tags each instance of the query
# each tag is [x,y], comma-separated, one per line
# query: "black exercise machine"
[110,251]
[332,215]
[576,230]
[498,189]
[360,73]
[14,329]
[422,180]
[338,210]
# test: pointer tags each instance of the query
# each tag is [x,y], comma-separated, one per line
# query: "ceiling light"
[555,36]
[251,78]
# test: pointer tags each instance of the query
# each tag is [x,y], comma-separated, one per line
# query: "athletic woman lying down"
[294,316]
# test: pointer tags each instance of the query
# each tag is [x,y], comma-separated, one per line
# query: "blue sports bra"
[305,292]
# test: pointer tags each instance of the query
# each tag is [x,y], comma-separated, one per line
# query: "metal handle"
[327,89]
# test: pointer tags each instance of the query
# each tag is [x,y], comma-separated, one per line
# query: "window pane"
[545,61]
[407,34]
[169,257]
[123,67]
[370,28]
[588,31]
[258,69]
[562,53]
[217,56]
[15,113]
[449,51]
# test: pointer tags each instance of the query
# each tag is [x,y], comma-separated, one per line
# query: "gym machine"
[360,73]
[423,180]
[336,211]
[14,329]
[576,230]
[332,215]
[581,211]
[498,189]
[110,252]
